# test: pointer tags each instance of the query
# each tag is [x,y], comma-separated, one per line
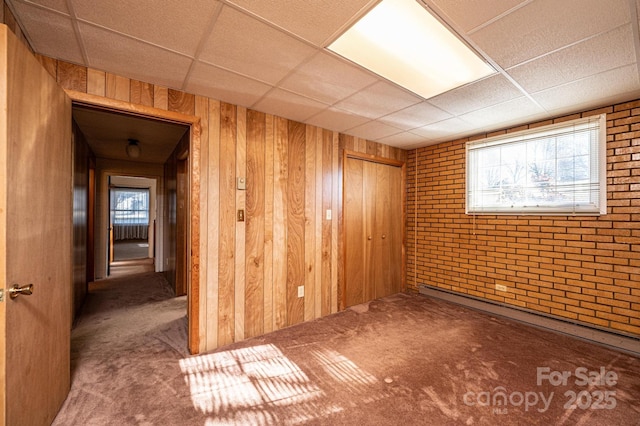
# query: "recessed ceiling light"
[402,42]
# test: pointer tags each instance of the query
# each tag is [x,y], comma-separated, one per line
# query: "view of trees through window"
[130,206]
[554,170]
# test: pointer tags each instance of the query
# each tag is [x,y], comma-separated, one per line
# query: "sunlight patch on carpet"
[249,384]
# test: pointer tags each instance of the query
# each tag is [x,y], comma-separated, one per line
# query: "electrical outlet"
[501,287]
[300,291]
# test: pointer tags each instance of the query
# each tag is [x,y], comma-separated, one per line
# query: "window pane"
[554,169]
[130,206]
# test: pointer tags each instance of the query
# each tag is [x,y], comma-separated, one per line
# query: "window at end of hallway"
[556,169]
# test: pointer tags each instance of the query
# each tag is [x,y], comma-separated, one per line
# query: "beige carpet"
[405,360]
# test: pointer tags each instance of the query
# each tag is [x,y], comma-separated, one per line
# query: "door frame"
[342,226]
[193,224]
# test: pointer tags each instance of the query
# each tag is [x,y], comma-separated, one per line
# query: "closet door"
[355,237]
[373,225]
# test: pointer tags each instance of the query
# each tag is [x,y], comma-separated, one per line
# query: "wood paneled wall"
[250,270]
[81,159]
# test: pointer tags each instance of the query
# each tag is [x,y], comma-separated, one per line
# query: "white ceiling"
[552,57]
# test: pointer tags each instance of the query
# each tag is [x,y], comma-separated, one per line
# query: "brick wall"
[584,268]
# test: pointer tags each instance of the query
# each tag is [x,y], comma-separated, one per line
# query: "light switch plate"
[241,183]
[328,215]
[300,291]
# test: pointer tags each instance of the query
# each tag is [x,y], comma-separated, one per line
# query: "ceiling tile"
[480,94]
[258,51]
[147,19]
[373,130]
[224,85]
[543,26]
[602,89]
[133,59]
[469,14]
[327,79]
[58,5]
[50,33]
[504,114]
[402,140]
[314,21]
[444,128]
[377,100]
[608,51]
[336,119]
[415,116]
[289,105]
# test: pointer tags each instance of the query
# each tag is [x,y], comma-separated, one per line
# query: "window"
[556,169]
[130,206]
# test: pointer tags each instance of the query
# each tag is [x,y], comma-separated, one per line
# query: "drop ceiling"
[552,58]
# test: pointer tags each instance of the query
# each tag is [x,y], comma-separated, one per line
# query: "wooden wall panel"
[212,232]
[142,93]
[202,111]
[117,87]
[227,234]
[281,176]
[269,319]
[255,225]
[295,222]
[72,77]
[327,189]
[240,258]
[178,101]
[250,271]
[310,223]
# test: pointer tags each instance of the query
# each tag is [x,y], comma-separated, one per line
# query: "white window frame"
[478,200]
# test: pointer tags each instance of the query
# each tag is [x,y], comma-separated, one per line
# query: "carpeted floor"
[130,249]
[405,360]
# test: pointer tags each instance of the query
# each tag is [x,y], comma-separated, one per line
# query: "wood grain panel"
[117,87]
[49,64]
[396,230]
[142,93]
[226,272]
[181,102]
[269,318]
[327,200]
[336,204]
[255,227]
[320,219]
[356,241]
[213,228]
[280,215]
[310,222]
[96,82]
[202,111]
[295,222]
[241,195]
[161,97]
[372,218]
[72,76]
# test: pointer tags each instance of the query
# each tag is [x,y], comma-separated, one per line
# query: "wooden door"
[35,237]
[373,221]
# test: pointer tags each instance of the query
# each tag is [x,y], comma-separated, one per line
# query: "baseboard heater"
[614,340]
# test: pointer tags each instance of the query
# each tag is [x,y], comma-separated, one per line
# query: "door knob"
[16,290]
[369,237]
[384,236]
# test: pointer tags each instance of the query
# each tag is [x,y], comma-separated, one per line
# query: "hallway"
[124,348]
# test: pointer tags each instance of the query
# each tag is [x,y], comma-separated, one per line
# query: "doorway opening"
[130,226]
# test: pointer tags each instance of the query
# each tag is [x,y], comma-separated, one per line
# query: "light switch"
[328,215]
[241,215]
[241,183]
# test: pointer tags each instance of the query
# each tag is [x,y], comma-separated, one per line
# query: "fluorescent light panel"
[402,42]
